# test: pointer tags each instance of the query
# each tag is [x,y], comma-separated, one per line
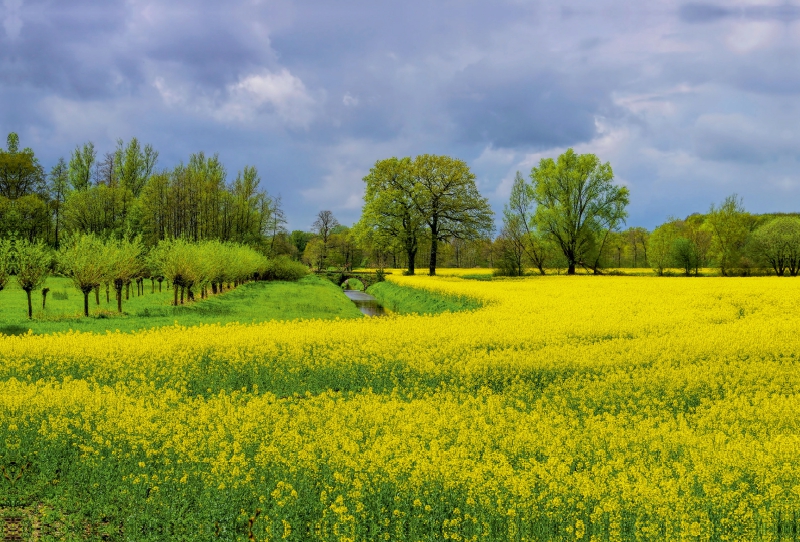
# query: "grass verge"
[405,300]
[310,297]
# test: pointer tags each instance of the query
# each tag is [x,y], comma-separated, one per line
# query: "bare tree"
[323,225]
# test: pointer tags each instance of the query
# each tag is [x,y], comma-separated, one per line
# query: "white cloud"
[281,92]
[277,94]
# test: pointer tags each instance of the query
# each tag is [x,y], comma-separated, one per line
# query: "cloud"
[510,109]
[688,101]
[280,92]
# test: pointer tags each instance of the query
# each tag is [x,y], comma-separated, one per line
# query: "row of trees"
[92,262]
[730,238]
[125,193]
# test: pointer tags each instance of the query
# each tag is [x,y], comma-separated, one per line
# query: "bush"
[284,268]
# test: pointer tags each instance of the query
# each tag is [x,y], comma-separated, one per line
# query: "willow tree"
[577,204]
[124,262]
[84,259]
[32,266]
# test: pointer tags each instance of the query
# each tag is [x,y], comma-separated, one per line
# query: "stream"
[366,303]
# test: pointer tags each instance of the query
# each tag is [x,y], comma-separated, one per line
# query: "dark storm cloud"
[508,109]
[90,50]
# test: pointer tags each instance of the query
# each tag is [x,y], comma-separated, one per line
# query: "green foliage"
[283,268]
[389,219]
[777,244]
[6,263]
[20,171]
[32,266]
[660,246]
[85,259]
[81,165]
[730,226]
[684,255]
[405,196]
[577,202]
[405,300]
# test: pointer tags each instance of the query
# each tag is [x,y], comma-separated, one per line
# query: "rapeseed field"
[565,408]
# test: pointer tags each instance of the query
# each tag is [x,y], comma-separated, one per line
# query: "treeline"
[124,193]
[726,238]
[94,263]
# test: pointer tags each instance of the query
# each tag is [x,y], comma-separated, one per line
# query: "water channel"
[366,303]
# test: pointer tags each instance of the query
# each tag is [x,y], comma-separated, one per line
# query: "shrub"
[284,268]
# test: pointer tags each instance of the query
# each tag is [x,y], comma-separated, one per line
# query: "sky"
[688,102]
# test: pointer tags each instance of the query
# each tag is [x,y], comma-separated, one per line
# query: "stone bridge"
[340,277]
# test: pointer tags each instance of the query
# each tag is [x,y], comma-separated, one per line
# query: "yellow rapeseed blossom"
[595,406]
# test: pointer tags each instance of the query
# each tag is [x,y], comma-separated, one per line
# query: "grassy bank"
[310,297]
[405,300]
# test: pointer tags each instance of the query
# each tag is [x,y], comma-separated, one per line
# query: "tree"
[123,261]
[323,227]
[660,246]
[59,179]
[729,225]
[314,253]
[446,197]
[576,202]
[699,236]
[519,227]
[32,265]
[80,166]
[275,224]
[684,255]
[637,238]
[134,165]
[777,243]
[20,172]
[389,210]
[300,239]
[83,258]
[511,248]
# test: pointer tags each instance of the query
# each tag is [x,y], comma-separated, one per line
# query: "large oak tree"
[389,212]
[446,197]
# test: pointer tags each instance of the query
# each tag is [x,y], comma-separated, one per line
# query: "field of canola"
[588,408]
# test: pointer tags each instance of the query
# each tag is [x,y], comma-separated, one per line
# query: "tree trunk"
[175,291]
[30,307]
[108,295]
[86,304]
[44,297]
[214,288]
[153,284]
[182,291]
[127,290]
[432,263]
[97,295]
[119,299]
[571,268]
[412,255]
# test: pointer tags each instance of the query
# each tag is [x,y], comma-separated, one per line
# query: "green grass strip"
[405,300]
